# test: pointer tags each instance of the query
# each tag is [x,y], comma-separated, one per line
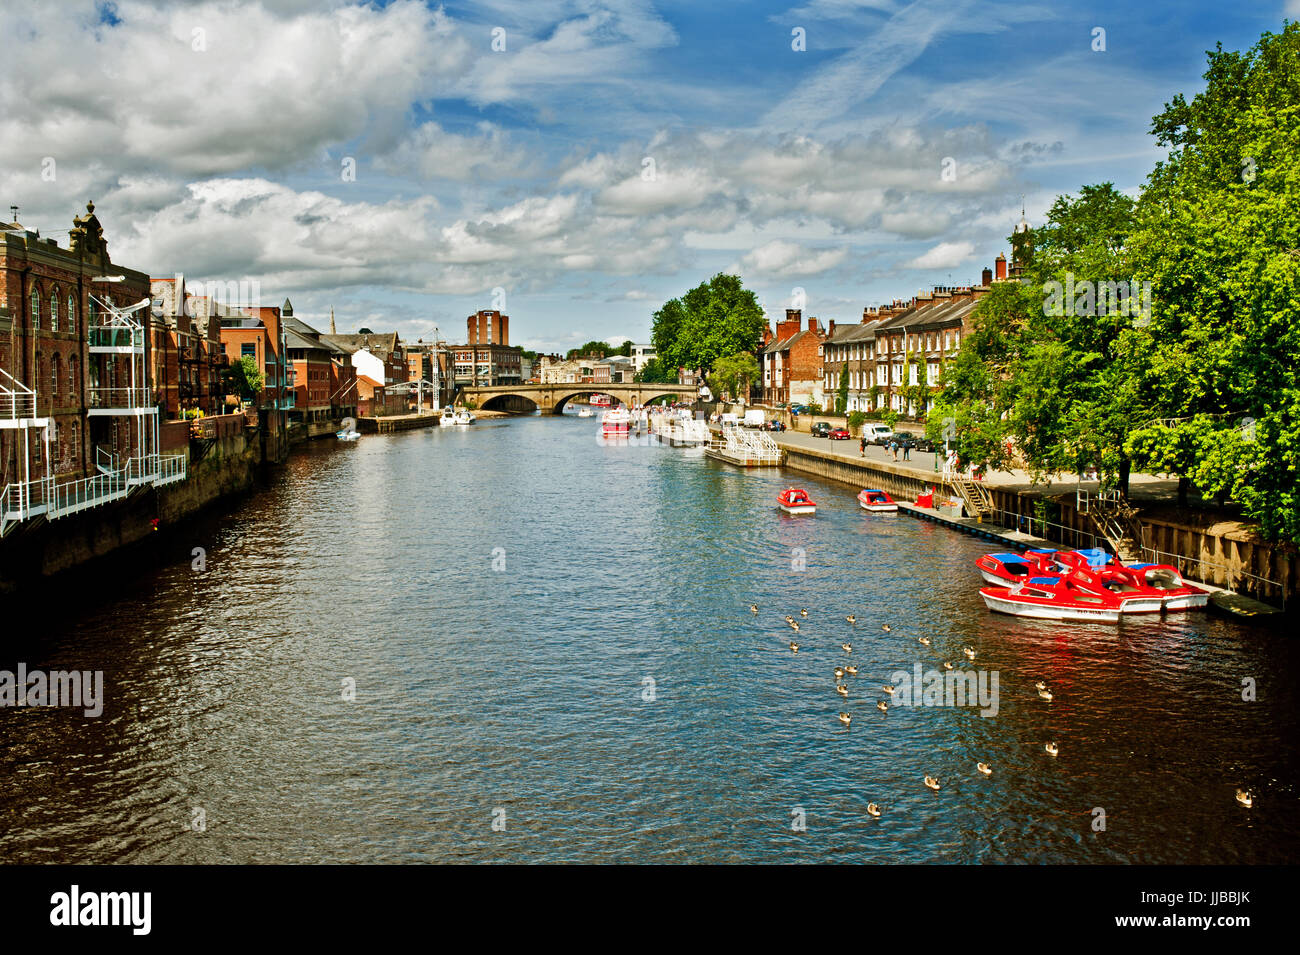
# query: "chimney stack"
[830,327]
[986,279]
[1000,263]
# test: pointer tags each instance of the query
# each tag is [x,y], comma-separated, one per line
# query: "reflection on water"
[608,694]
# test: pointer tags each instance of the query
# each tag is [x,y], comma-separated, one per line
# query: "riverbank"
[1223,555]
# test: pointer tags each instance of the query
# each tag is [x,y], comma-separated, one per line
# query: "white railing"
[748,445]
[118,398]
[26,499]
[17,401]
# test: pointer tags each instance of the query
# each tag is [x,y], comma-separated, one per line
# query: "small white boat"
[348,435]
[586,413]
[448,417]
[465,417]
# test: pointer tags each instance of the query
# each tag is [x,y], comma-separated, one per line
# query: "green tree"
[842,395]
[243,378]
[657,372]
[715,319]
[1218,236]
[734,374]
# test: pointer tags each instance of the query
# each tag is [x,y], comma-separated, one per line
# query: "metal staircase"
[979,503]
[1116,520]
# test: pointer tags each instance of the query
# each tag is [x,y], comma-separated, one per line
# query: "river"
[554,660]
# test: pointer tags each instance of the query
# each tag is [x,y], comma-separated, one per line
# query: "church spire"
[333,330]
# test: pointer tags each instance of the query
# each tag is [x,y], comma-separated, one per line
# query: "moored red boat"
[1004,570]
[875,500]
[1175,593]
[1053,598]
[795,500]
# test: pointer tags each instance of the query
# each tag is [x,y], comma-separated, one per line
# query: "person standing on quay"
[907,450]
[893,446]
[862,445]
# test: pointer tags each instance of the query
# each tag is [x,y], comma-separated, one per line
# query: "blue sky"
[215,137]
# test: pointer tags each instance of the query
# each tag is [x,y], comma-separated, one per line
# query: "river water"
[554,660]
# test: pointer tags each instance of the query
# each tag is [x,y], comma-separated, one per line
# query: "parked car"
[797,409]
[878,433]
[774,425]
[821,429]
[922,443]
[839,434]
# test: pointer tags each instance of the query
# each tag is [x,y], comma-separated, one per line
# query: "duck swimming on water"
[851,670]
[753,608]
[1245,798]
[846,719]
[851,618]
[1045,694]
[794,647]
[931,783]
[841,689]
[984,768]
[886,627]
[803,613]
[970,652]
[888,688]
[1051,749]
[873,810]
[839,672]
[882,706]
[925,641]
[846,647]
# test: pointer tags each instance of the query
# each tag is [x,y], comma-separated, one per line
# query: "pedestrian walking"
[893,446]
[862,445]
[907,450]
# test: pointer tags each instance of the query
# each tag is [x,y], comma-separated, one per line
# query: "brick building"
[792,360]
[187,355]
[487,358]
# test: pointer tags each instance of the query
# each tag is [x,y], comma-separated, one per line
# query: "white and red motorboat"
[615,422]
[795,500]
[601,401]
[1004,570]
[1054,598]
[878,501]
[1165,580]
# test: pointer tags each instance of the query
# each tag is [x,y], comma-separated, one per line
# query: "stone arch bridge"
[551,399]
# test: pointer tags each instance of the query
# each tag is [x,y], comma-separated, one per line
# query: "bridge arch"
[512,403]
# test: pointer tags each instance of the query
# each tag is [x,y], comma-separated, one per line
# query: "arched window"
[54,309]
[72,314]
[36,308]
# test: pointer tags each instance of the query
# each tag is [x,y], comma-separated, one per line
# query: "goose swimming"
[846,719]
[803,613]
[970,652]
[851,618]
[887,628]
[1245,798]
[1051,749]
[753,608]
[925,641]
[846,647]
[882,706]
[794,647]
[931,783]
[984,768]
[873,810]
[1045,695]
[888,688]
[851,670]
[841,689]
[839,672]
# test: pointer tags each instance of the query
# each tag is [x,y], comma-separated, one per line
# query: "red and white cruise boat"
[1004,570]
[795,500]
[614,423]
[601,401]
[1054,598]
[1163,579]
[878,501]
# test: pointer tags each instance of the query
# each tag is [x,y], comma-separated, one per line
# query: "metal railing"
[118,398]
[26,499]
[17,401]
[1195,568]
[115,336]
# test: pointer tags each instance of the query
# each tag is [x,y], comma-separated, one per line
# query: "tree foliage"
[1201,378]
[714,320]
[243,378]
[734,374]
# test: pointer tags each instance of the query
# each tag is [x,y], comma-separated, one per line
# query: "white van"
[878,433]
[754,418]
[729,420]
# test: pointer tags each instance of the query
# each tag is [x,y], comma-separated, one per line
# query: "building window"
[72,314]
[248,350]
[56,371]
[36,309]
[73,384]
[54,310]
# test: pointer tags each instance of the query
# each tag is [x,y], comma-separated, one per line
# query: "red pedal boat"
[873,500]
[795,500]
[1054,598]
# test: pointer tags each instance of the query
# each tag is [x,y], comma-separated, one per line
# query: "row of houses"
[893,357]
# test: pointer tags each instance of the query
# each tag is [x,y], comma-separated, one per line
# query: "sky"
[576,163]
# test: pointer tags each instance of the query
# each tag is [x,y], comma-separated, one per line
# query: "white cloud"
[942,256]
[779,258]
